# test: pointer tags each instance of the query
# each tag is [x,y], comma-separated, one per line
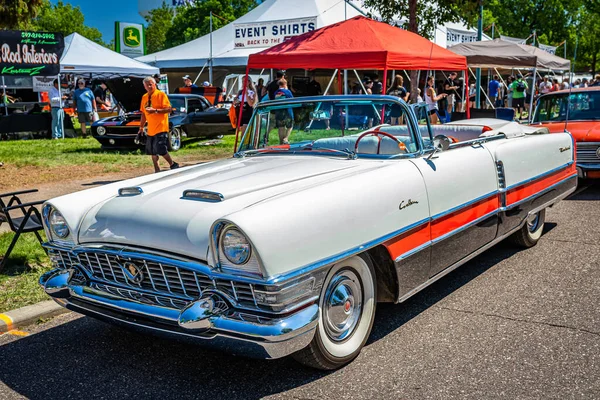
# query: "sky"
[103,14]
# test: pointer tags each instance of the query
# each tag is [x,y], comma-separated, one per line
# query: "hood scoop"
[130,191]
[202,195]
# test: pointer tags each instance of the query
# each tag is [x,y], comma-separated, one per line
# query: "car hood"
[582,131]
[160,218]
[128,91]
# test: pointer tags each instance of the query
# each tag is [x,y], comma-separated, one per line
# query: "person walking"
[493,90]
[545,86]
[519,92]
[273,86]
[284,119]
[450,88]
[399,91]
[58,114]
[84,103]
[155,108]
[431,99]
[509,94]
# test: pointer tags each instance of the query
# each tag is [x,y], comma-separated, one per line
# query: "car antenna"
[572,72]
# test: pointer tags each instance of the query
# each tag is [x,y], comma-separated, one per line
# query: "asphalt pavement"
[510,324]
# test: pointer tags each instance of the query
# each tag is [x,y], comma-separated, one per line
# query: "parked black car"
[192,116]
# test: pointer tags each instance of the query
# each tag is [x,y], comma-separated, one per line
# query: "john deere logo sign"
[132,37]
[129,39]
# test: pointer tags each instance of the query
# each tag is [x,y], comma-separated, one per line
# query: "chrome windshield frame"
[408,110]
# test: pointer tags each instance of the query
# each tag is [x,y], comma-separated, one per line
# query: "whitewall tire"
[347,310]
[531,232]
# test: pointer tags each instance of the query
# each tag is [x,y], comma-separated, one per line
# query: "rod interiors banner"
[30,53]
[456,36]
[549,49]
[269,33]
[129,39]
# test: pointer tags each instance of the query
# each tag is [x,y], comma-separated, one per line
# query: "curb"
[27,315]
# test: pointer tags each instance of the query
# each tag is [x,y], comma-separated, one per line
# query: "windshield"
[361,125]
[178,103]
[583,106]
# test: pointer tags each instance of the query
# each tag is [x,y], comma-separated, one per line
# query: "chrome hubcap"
[342,306]
[175,139]
[533,222]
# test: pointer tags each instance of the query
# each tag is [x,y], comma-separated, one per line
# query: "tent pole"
[466,98]
[482,91]
[239,120]
[345,81]
[385,72]
[200,73]
[340,84]
[532,95]
[463,93]
[4,98]
[210,65]
[330,82]
[62,121]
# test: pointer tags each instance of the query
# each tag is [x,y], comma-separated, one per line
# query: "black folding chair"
[21,217]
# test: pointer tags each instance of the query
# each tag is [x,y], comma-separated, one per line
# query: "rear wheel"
[175,139]
[347,305]
[531,232]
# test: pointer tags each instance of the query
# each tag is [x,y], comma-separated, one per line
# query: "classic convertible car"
[192,116]
[287,247]
[583,123]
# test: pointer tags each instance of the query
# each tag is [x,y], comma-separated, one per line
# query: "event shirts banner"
[269,33]
[26,53]
[457,36]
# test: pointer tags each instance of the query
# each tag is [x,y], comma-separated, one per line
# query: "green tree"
[192,21]
[588,46]
[15,14]
[424,16]
[160,20]
[66,19]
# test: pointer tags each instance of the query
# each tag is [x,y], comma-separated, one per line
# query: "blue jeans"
[58,115]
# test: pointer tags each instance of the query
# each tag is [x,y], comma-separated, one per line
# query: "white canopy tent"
[85,57]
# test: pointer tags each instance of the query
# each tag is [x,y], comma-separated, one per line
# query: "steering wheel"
[378,133]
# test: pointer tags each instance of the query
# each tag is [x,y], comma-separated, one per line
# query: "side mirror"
[441,142]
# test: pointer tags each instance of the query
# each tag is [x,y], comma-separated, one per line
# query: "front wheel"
[531,232]
[175,139]
[347,310]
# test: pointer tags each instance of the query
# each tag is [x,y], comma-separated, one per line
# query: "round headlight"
[235,246]
[58,224]
[101,130]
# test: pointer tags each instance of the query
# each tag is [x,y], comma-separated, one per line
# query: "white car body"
[418,217]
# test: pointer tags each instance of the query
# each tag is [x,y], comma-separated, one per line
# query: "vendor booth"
[359,43]
[498,54]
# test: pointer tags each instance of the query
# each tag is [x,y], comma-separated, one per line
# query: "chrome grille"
[144,297]
[587,152]
[158,278]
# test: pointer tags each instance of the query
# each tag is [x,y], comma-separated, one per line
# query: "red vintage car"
[583,123]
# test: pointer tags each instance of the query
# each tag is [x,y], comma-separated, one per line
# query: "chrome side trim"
[446,271]
[540,176]
[341,256]
[513,205]
[461,206]
[464,227]
[413,251]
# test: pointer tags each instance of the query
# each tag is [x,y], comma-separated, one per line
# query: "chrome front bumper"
[207,320]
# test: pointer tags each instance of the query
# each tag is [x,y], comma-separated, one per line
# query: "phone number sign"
[25,53]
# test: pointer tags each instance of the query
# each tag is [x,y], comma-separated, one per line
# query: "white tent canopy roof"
[83,56]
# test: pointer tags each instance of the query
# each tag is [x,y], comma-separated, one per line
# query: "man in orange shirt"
[155,108]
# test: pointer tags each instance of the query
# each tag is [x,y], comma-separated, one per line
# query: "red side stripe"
[408,240]
[529,189]
[451,222]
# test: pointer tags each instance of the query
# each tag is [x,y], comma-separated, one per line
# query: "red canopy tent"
[357,43]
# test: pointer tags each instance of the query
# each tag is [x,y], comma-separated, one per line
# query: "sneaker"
[174,165]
